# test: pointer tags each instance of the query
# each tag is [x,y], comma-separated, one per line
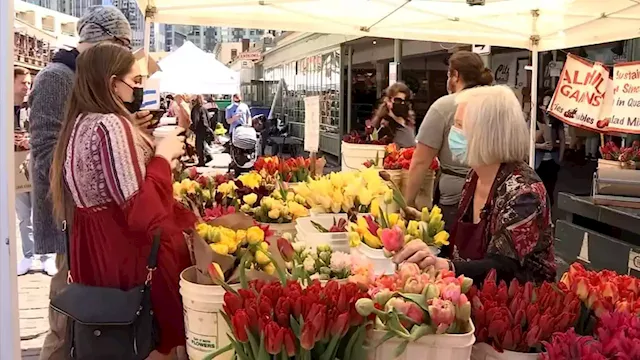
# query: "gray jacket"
[49,94]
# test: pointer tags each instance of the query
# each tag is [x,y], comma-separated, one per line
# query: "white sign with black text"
[311,123]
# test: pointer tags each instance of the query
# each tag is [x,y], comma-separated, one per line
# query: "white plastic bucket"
[382,265]
[354,155]
[279,229]
[205,328]
[484,351]
[441,347]
[307,232]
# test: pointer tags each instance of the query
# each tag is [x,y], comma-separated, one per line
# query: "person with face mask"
[396,115]
[116,184]
[503,221]
[466,70]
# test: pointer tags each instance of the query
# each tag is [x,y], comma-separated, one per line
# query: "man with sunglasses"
[50,92]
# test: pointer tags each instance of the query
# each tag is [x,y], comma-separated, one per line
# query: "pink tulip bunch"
[617,337]
[413,303]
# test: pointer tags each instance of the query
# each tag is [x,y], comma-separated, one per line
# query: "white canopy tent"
[189,70]
[537,25]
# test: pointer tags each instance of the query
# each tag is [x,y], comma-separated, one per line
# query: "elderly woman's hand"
[416,252]
[411,213]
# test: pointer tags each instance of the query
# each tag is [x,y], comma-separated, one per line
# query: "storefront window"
[315,75]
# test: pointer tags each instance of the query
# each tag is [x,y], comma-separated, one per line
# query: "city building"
[174,37]
[226,34]
[226,52]
[157,37]
[39,32]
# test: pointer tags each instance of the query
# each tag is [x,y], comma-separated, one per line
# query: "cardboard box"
[21,165]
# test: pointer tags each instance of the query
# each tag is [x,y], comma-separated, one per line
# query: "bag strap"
[152,260]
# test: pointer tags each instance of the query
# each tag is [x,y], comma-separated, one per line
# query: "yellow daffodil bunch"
[362,191]
[192,194]
[224,241]
[282,206]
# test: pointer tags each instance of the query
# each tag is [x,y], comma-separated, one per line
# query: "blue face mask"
[458,144]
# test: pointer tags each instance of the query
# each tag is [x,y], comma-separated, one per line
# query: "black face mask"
[138,95]
[400,110]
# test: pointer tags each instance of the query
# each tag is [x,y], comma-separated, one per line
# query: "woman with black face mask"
[396,117]
[113,182]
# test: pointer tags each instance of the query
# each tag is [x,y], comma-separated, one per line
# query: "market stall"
[190,70]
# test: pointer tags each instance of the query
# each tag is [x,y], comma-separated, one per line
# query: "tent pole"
[534,104]
[9,321]
[349,85]
[535,39]
[146,42]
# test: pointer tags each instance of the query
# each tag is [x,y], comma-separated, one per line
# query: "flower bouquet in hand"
[413,303]
[283,320]
[617,337]
[601,292]
[519,317]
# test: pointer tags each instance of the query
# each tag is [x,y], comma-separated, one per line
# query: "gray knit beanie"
[102,23]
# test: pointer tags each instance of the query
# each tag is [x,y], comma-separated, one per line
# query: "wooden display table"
[601,237]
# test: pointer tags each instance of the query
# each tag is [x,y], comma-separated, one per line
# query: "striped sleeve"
[121,160]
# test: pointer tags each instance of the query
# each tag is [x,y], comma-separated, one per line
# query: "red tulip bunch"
[518,317]
[603,291]
[611,151]
[617,337]
[276,321]
[298,169]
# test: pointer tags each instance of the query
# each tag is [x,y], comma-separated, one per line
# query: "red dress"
[123,194]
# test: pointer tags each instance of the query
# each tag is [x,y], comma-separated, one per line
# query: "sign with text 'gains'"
[583,95]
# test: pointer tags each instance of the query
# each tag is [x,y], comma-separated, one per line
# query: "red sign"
[250,55]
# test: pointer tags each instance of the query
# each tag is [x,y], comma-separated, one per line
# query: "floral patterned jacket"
[519,221]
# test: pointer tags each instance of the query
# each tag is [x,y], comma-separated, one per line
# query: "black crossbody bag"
[109,323]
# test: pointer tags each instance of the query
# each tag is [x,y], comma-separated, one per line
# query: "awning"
[553,24]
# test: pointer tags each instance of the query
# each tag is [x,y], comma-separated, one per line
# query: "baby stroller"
[243,149]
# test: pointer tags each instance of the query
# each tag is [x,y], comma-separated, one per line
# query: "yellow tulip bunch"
[429,229]
[282,206]
[341,192]
[251,179]
[224,241]
[191,193]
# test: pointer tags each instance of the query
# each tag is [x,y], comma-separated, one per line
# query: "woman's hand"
[172,147]
[415,252]
[411,213]
[545,146]
[143,119]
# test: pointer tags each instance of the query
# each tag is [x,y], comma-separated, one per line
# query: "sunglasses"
[121,41]
[397,100]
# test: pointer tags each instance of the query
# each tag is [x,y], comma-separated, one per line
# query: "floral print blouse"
[520,224]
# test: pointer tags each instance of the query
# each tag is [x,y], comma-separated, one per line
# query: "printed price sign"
[583,95]
[625,113]
[311,123]
[151,99]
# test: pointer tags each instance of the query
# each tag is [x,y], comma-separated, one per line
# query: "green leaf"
[329,352]
[418,299]
[351,345]
[218,352]
[262,354]
[238,348]
[319,227]
[383,221]
[253,342]
[295,326]
[400,349]
[243,271]
[394,324]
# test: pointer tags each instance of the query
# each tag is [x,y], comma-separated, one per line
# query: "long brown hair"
[92,93]
[470,68]
[389,94]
